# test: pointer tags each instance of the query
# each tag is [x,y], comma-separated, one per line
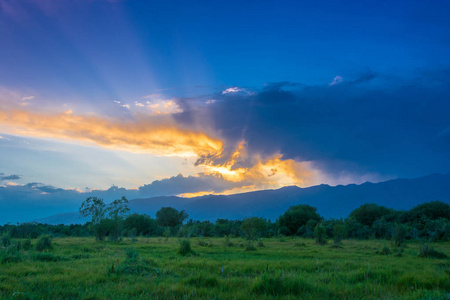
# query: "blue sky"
[234,96]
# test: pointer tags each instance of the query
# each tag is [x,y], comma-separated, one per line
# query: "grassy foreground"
[83,268]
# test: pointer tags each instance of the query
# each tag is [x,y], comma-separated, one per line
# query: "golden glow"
[142,135]
[270,173]
[197,194]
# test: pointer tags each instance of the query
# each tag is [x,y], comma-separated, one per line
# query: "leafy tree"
[431,210]
[297,216]
[143,224]
[95,208]
[170,217]
[254,227]
[368,213]
[118,209]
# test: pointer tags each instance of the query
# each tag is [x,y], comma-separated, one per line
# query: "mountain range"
[330,201]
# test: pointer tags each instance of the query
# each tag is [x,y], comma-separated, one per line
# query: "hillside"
[331,201]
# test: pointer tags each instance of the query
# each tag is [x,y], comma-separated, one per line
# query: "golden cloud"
[139,135]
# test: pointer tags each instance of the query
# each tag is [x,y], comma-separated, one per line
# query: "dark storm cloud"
[190,184]
[371,123]
[9,177]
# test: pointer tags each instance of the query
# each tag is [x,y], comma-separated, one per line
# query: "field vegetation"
[376,253]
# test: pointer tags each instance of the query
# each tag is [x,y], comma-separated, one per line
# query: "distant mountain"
[330,201]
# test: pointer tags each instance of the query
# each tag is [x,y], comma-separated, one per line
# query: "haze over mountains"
[331,201]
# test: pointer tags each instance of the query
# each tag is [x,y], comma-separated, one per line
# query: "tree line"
[429,221]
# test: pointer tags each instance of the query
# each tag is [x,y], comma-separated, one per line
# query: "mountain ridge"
[330,201]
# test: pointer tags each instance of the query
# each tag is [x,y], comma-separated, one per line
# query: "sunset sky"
[198,97]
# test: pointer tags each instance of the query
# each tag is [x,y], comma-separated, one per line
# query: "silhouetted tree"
[170,217]
[297,216]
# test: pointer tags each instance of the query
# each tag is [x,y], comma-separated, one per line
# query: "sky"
[150,98]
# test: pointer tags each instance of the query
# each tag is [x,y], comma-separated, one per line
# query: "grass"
[151,268]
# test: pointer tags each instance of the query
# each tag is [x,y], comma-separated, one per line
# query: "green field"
[84,268]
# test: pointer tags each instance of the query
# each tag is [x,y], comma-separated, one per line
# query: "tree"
[93,207]
[368,213]
[254,227]
[118,209]
[170,217]
[320,233]
[297,216]
[142,223]
[433,210]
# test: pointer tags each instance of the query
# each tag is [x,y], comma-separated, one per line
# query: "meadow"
[222,268]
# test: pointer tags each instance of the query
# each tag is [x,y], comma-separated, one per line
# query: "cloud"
[372,124]
[336,80]
[159,136]
[9,177]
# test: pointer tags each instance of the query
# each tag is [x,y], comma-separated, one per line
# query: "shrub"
[6,258]
[26,245]
[134,265]
[44,243]
[320,234]
[203,281]
[428,251]
[6,240]
[400,232]
[385,251]
[250,247]
[185,248]
[202,243]
[48,257]
[280,285]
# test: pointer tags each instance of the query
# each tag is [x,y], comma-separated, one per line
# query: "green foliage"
[250,247]
[143,224]
[47,257]
[338,232]
[203,281]
[427,251]
[399,236]
[118,209]
[44,243]
[297,216]
[95,208]
[433,210]
[368,213]
[170,217]
[253,227]
[320,234]
[384,251]
[26,244]
[185,248]
[134,265]
[6,240]
[280,285]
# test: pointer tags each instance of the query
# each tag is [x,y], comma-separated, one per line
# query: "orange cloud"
[140,135]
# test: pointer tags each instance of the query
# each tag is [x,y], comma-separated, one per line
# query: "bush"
[134,265]
[280,285]
[26,245]
[250,247]
[202,243]
[44,243]
[385,251]
[427,251]
[203,281]
[185,248]
[6,258]
[400,232]
[48,257]
[320,234]
[6,240]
